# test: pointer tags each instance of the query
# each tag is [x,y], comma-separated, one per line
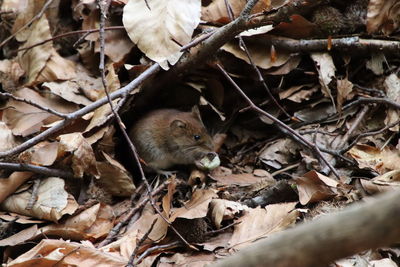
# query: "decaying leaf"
[315,187]
[161,30]
[45,154]
[259,54]
[261,222]
[376,159]
[83,159]
[52,203]
[222,209]
[383,15]
[50,251]
[24,119]
[11,183]
[326,70]
[114,177]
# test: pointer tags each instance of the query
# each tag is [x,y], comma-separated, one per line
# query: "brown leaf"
[314,187]
[52,203]
[83,159]
[260,222]
[51,252]
[159,32]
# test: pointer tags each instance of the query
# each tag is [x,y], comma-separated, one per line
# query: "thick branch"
[359,227]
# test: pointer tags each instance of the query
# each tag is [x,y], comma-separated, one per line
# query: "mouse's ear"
[178,124]
[196,112]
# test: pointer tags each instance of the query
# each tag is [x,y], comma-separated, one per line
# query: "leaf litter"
[267,181]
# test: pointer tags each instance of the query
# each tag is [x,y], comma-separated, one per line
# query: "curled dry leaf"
[7,139]
[92,223]
[344,91]
[42,63]
[44,154]
[24,119]
[261,222]
[50,252]
[382,183]
[260,56]
[392,86]
[376,159]
[216,11]
[326,71]
[162,30]
[83,159]
[278,153]
[222,209]
[114,178]
[10,74]
[20,237]
[383,15]
[11,183]
[314,187]
[52,201]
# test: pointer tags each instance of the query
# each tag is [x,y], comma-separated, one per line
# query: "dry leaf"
[52,203]
[83,159]
[114,178]
[260,56]
[24,119]
[10,184]
[392,86]
[383,15]
[326,70]
[90,224]
[7,139]
[44,154]
[314,187]
[258,223]
[161,31]
[381,161]
[222,209]
[58,252]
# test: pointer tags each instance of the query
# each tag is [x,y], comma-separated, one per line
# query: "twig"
[117,228]
[36,169]
[19,99]
[281,125]
[37,16]
[160,247]
[375,132]
[373,100]
[144,237]
[66,34]
[34,194]
[354,43]
[213,232]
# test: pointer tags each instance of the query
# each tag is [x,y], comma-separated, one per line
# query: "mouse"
[164,138]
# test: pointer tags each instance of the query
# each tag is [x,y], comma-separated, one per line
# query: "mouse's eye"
[196,137]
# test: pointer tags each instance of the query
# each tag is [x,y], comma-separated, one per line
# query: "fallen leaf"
[161,30]
[52,201]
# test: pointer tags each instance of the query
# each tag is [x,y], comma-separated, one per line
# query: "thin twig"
[117,228]
[36,169]
[41,107]
[371,133]
[141,241]
[281,125]
[159,248]
[34,194]
[37,16]
[66,34]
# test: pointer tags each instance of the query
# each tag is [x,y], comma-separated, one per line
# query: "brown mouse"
[168,137]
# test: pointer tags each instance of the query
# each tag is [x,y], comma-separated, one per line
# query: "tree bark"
[317,243]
